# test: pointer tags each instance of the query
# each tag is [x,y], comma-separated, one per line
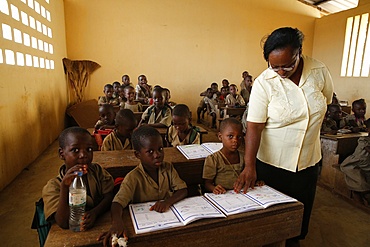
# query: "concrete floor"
[334,222]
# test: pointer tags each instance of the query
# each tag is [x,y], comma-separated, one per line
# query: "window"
[356,50]
[17,20]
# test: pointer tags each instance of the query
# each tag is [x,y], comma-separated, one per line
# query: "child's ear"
[137,154]
[61,153]
[219,136]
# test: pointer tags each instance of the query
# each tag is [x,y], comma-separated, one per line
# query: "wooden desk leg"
[277,244]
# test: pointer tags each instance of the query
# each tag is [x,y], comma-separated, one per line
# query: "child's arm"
[117,225]
[158,125]
[367,148]
[62,214]
[208,184]
[90,216]
[163,206]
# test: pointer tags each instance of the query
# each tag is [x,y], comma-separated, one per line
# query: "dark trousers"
[299,185]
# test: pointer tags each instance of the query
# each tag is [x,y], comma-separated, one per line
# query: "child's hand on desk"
[219,190]
[110,238]
[72,173]
[88,220]
[160,207]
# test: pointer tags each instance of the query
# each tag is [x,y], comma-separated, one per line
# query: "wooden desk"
[233,111]
[267,227]
[119,163]
[335,148]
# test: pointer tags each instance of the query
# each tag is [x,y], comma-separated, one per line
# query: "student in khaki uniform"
[181,132]
[120,137]
[152,180]
[76,149]
[222,168]
[108,97]
[159,114]
[130,102]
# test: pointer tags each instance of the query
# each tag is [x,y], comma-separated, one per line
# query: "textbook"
[198,151]
[260,197]
[179,214]
[201,207]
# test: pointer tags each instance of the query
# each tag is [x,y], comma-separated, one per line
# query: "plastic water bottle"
[77,202]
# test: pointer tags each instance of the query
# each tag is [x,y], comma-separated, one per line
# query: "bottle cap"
[79,173]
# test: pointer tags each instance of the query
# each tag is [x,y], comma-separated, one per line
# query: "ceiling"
[328,7]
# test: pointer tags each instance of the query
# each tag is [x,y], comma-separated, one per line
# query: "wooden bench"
[266,227]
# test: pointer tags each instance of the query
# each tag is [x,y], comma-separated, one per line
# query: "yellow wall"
[32,100]
[182,45]
[328,47]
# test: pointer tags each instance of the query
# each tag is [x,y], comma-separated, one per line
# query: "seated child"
[222,168]
[107,115]
[167,96]
[121,96]
[224,93]
[225,83]
[108,98]
[120,137]
[181,132]
[357,120]
[143,90]
[202,107]
[131,103]
[152,180]
[75,148]
[210,104]
[159,114]
[246,92]
[356,168]
[126,81]
[244,76]
[333,120]
[233,99]
[116,85]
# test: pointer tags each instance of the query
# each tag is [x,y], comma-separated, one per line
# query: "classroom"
[181,45]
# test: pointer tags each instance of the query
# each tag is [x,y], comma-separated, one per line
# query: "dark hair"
[358,102]
[333,106]
[142,133]
[125,116]
[281,38]
[128,87]
[230,121]
[107,107]
[214,84]
[181,110]
[116,82]
[225,87]
[72,130]
[108,86]
[209,89]
[158,90]
[125,76]
[141,76]
[233,85]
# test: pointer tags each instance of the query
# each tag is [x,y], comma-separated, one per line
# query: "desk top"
[255,228]
[344,136]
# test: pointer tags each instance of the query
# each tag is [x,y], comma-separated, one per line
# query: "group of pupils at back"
[152,180]
[337,121]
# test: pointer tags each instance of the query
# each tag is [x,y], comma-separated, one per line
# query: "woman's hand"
[246,179]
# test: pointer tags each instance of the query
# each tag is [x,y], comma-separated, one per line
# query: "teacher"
[286,108]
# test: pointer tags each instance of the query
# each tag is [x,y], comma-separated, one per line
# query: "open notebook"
[200,207]
[198,151]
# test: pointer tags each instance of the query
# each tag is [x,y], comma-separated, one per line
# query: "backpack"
[39,222]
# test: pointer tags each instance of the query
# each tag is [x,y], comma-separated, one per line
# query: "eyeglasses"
[288,68]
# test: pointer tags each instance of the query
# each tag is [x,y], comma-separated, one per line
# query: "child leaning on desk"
[181,132]
[159,114]
[76,149]
[120,137]
[152,180]
[108,97]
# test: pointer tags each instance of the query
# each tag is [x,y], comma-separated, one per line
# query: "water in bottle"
[77,202]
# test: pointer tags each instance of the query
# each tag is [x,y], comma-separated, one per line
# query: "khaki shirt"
[293,115]
[103,100]
[112,142]
[165,116]
[231,100]
[135,108]
[138,186]
[99,181]
[173,137]
[219,169]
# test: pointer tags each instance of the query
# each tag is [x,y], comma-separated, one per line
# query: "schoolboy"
[108,96]
[131,103]
[120,137]
[107,115]
[181,132]
[333,120]
[126,81]
[167,97]
[116,85]
[224,93]
[76,149]
[246,92]
[233,99]
[357,120]
[222,168]
[225,83]
[210,104]
[121,96]
[152,180]
[244,76]
[143,90]
[159,114]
